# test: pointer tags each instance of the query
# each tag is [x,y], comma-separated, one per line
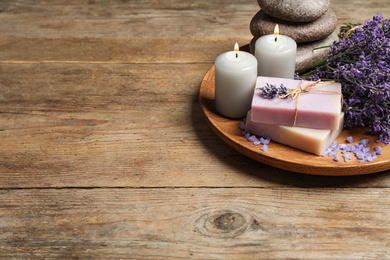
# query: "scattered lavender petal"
[253,138]
[264,148]
[326,152]
[334,152]
[350,148]
[364,142]
[347,156]
[247,135]
[242,125]
[256,142]
[359,154]
[333,145]
[378,150]
[336,158]
[349,139]
[371,157]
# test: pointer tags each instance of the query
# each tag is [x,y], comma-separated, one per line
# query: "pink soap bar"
[307,139]
[315,109]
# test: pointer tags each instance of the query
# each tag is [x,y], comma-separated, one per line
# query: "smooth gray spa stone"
[306,56]
[295,10]
[263,24]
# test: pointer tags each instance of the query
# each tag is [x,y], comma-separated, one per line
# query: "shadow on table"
[227,155]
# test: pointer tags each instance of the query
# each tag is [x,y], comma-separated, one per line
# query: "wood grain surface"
[105,152]
[200,223]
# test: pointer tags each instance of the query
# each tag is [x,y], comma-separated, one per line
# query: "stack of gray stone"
[311,23]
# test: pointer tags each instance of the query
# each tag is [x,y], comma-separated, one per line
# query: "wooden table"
[105,152]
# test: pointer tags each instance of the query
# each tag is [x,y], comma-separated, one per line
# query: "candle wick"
[236,55]
[276,39]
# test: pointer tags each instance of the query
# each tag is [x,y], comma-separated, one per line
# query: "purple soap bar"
[315,109]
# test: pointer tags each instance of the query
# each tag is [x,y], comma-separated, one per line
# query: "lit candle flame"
[276,31]
[236,48]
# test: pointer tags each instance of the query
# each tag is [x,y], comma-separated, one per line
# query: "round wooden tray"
[282,156]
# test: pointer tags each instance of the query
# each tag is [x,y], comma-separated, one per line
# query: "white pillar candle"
[235,80]
[276,55]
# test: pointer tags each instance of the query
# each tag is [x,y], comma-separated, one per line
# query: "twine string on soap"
[296,93]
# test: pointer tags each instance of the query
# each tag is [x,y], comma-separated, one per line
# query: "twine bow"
[296,93]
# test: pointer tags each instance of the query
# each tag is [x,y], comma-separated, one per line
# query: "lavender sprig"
[270,91]
[282,91]
[361,63]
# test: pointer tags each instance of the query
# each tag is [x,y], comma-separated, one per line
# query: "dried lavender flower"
[282,90]
[271,91]
[361,63]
